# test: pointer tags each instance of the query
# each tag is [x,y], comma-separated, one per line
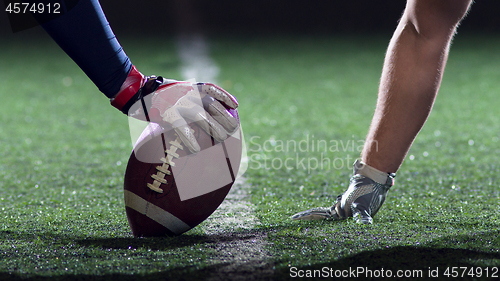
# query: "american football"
[168,190]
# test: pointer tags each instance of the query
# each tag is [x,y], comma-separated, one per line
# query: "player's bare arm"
[411,76]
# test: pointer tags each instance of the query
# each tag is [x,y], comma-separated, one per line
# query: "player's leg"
[84,33]
[86,36]
[411,77]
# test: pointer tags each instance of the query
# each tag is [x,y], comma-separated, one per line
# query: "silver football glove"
[366,193]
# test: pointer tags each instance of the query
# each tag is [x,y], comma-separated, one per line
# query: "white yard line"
[242,250]
[193,50]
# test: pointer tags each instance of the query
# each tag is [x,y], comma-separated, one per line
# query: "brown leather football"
[168,190]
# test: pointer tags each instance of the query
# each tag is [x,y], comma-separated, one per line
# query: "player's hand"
[179,103]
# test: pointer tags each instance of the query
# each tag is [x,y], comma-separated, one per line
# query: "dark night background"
[267,16]
[365,16]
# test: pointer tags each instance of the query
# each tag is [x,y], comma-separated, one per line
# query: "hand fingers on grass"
[320,213]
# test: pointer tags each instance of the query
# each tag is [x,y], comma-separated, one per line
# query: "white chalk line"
[241,251]
[193,50]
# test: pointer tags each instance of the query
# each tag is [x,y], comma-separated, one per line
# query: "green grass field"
[64,151]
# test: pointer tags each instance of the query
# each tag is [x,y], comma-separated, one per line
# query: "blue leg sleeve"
[86,36]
